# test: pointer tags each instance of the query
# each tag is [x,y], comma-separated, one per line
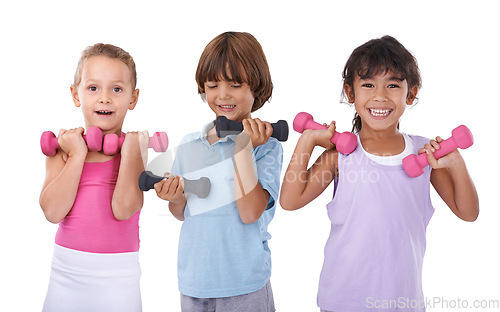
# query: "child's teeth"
[379,112]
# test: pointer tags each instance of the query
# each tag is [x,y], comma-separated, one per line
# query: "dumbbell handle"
[461,138]
[313,125]
[200,187]
[223,126]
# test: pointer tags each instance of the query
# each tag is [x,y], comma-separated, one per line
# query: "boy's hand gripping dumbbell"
[200,187]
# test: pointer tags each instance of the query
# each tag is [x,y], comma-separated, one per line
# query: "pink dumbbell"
[112,143]
[49,143]
[460,137]
[345,142]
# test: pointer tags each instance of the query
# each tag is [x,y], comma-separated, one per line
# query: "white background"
[455,42]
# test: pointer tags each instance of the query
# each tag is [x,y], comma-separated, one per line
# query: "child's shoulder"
[271,144]
[272,149]
[418,141]
[190,137]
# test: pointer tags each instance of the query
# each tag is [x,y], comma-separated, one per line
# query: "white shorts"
[85,281]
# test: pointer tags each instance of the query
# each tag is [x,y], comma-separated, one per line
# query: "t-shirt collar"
[207,127]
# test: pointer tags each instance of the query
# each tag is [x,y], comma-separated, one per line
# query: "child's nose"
[104,98]
[380,94]
[224,92]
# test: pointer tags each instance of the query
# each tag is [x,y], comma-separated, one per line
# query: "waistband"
[95,264]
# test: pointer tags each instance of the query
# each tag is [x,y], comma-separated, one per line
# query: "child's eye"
[117,89]
[393,86]
[210,85]
[367,85]
[93,88]
[236,85]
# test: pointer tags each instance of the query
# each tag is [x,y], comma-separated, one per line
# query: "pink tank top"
[90,225]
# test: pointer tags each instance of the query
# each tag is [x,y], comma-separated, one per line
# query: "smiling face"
[237,60]
[230,99]
[105,93]
[380,100]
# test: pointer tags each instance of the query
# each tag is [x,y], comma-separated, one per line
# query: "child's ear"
[135,98]
[74,95]
[412,95]
[349,92]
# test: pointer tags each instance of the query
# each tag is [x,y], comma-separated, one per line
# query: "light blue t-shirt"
[219,255]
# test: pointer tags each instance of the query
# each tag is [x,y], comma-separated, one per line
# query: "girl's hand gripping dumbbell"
[345,142]
[110,145]
[50,145]
[461,137]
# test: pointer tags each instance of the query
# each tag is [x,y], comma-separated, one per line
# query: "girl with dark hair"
[379,215]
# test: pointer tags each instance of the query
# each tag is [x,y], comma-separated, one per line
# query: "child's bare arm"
[251,198]
[127,197]
[177,208]
[63,172]
[172,189]
[301,185]
[452,182]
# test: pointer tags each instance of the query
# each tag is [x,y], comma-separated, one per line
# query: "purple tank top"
[91,225]
[373,257]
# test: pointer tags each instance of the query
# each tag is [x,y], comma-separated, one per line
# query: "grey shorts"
[259,301]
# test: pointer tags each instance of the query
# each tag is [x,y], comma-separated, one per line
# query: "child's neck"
[212,136]
[116,130]
[386,142]
[97,157]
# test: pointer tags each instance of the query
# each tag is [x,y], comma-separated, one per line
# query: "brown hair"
[236,56]
[380,56]
[108,50]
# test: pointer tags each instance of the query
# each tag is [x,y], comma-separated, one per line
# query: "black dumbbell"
[224,127]
[200,187]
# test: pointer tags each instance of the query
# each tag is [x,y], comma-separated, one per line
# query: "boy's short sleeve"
[268,159]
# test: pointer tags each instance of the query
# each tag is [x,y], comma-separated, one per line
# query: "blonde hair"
[236,56]
[108,50]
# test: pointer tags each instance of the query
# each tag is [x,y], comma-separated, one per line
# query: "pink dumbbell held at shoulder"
[345,142]
[461,137]
[50,145]
[112,143]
